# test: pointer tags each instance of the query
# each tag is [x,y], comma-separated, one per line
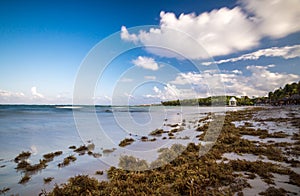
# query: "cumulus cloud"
[218,31]
[222,31]
[260,81]
[10,97]
[276,18]
[126,36]
[169,92]
[146,63]
[286,52]
[35,94]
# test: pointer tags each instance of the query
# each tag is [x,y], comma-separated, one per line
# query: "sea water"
[42,129]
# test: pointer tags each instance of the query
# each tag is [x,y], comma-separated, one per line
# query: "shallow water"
[45,129]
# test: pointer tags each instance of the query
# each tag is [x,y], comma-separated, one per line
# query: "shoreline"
[232,152]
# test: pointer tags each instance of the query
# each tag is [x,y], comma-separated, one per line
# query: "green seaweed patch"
[48,180]
[126,142]
[22,156]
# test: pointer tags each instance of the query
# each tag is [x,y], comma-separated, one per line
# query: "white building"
[232,101]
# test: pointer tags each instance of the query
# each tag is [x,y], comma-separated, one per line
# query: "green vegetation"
[209,101]
[288,91]
[290,94]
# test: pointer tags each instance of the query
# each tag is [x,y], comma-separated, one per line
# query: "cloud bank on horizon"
[254,43]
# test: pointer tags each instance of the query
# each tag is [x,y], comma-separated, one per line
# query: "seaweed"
[132,163]
[27,167]
[274,191]
[48,180]
[67,161]
[51,155]
[80,149]
[126,141]
[99,172]
[4,190]
[144,138]
[179,170]
[157,132]
[22,156]
[106,151]
[24,179]
[72,147]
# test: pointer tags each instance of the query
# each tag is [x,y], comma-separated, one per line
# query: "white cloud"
[258,83]
[126,36]
[35,94]
[146,63]
[276,18]
[286,52]
[221,31]
[218,31]
[169,92]
[237,71]
[11,97]
[34,97]
[150,77]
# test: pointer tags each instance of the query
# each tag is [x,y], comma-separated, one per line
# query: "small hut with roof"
[232,101]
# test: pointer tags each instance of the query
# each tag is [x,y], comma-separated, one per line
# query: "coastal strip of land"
[257,152]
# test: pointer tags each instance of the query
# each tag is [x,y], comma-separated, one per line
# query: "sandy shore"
[257,152]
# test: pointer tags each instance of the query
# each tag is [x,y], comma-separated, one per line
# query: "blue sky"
[249,48]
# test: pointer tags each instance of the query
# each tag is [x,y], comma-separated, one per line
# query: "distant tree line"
[208,101]
[290,94]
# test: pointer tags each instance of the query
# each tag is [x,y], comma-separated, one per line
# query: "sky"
[194,49]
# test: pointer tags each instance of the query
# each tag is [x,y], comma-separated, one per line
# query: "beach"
[256,151]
